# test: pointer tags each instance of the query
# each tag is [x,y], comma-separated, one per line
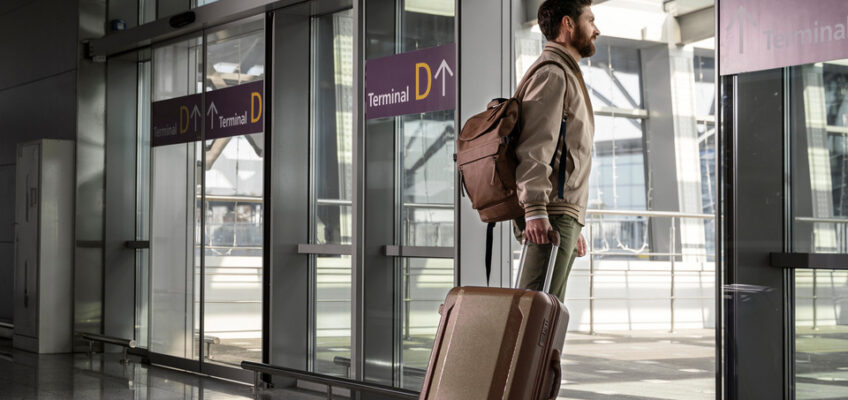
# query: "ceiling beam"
[697,25]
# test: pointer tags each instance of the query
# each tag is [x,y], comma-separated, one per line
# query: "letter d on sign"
[255,110]
[418,67]
[183,113]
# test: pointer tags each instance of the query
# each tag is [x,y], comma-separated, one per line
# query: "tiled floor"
[639,365]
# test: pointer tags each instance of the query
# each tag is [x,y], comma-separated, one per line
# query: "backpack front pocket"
[485,175]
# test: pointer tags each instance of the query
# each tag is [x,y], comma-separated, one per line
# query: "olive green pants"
[536,261]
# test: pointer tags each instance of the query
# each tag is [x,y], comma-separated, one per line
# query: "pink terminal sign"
[764,34]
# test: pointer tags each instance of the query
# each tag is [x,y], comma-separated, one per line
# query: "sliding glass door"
[206,196]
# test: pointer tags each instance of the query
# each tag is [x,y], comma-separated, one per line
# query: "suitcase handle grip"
[555,365]
[554,238]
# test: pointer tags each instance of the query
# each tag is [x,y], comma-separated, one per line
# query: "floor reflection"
[26,375]
[635,365]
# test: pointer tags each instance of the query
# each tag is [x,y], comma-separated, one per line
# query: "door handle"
[26,202]
[26,284]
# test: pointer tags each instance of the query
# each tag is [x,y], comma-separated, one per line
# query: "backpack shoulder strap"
[532,71]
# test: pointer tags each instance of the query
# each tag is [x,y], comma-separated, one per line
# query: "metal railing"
[124,343]
[840,225]
[594,216]
[410,371]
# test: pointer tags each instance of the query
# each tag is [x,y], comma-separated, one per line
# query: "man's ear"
[567,25]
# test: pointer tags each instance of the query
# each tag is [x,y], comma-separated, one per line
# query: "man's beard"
[583,44]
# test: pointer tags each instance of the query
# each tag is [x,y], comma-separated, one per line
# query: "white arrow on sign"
[211,113]
[194,114]
[739,20]
[441,71]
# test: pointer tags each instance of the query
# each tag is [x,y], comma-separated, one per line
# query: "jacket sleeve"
[541,116]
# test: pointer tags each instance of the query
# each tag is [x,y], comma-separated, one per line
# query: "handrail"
[341,202]
[137,244]
[833,220]
[330,381]
[93,337]
[107,339]
[419,251]
[631,213]
[809,260]
[235,199]
[412,371]
[644,213]
[672,214]
[7,325]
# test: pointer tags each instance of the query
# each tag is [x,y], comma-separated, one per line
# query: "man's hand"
[537,230]
[582,248]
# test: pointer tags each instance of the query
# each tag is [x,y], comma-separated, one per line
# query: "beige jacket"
[549,95]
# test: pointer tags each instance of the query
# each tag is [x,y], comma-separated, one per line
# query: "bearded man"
[555,147]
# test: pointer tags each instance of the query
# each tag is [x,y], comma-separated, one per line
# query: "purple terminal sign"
[764,34]
[230,111]
[411,83]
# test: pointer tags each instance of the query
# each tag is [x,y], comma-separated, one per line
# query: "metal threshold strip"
[330,381]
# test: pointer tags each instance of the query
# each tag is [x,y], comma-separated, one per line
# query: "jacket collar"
[560,50]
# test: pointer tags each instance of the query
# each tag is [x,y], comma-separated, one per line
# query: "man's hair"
[551,13]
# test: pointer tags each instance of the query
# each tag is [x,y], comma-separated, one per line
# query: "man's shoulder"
[552,67]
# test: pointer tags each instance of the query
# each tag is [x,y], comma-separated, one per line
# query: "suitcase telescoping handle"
[553,236]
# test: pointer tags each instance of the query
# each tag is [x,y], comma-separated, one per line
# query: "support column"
[483,44]
[672,155]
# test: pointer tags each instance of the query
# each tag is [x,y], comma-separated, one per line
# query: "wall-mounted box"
[44,235]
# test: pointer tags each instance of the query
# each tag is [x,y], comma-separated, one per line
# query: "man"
[552,173]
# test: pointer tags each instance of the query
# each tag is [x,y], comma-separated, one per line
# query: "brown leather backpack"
[486,161]
[486,157]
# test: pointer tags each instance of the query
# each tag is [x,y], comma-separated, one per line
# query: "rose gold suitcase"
[497,343]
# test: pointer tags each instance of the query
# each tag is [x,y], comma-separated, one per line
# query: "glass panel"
[174,210]
[427,212]
[333,128]
[332,314]
[200,3]
[332,177]
[427,198]
[819,114]
[234,207]
[424,285]
[821,334]
[146,11]
[704,68]
[613,77]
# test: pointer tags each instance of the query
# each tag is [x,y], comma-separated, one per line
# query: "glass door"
[412,216]
[818,120]
[233,190]
[206,203]
[331,222]
[174,185]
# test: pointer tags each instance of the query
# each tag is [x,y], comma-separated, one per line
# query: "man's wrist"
[532,217]
[535,210]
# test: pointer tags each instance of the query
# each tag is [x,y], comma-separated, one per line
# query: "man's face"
[585,33]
